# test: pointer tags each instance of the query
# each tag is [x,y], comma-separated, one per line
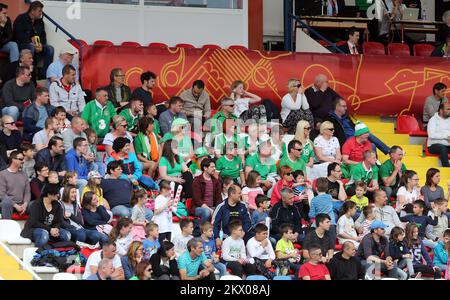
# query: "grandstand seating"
[423,50]
[398,49]
[237,47]
[103,43]
[131,44]
[185,46]
[409,125]
[374,48]
[158,45]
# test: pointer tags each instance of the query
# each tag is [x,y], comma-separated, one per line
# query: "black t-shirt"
[333,189]
[234,214]
[325,243]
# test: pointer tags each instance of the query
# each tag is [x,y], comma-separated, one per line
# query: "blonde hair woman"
[242,100]
[295,106]
[119,125]
[326,146]
[302,134]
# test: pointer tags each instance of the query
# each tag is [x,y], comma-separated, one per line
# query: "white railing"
[23,266]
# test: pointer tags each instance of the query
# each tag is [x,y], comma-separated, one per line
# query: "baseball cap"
[377,224]
[68,50]
[179,122]
[94,174]
[201,152]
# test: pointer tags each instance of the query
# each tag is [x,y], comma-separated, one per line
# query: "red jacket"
[198,191]
[276,192]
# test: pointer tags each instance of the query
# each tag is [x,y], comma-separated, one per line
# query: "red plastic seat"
[409,125]
[374,48]
[423,49]
[237,47]
[399,49]
[17,217]
[427,152]
[185,46]
[103,43]
[131,44]
[211,46]
[341,43]
[73,43]
[101,148]
[158,45]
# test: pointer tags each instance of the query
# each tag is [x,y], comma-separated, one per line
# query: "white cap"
[68,50]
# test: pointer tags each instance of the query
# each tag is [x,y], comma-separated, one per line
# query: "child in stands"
[227,182]
[53,177]
[285,248]
[440,259]
[234,252]
[314,269]
[152,112]
[163,216]
[359,199]
[180,241]
[28,160]
[92,139]
[138,215]
[252,190]
[260,249]
[369,217]
[434,233]
[262,210]
[60,114]
[346,227]
[151,243]
[121,234]
[70,179]
[399,252]
[209,247]
[323,203]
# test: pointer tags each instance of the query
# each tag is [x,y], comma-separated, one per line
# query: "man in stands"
[29,33]
[174,112]
[439,134]
[344,265]
[6,35]
[391,171]
[14,187]
[335,185]
[133,113]
[320,236]
[145,93]
[197,105]
[207,190]
[104,271]
[432,103]
[226,112]
[76,130]
[55,70]
[193,264]
[34,116]
[344,128]
[443,50]
[118,93]
[8,72]
[354,148]
[285,212]
[365,171]
[320,98]
[109,252]
[263,162]
[67,93]
[352,47]
[99,113]
[42,137]
[76,161]
[53,156]
[18,93]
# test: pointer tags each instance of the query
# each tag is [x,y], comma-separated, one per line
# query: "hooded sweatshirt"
[345,269]
[438,130]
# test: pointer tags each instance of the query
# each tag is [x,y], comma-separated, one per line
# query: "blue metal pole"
[288,7]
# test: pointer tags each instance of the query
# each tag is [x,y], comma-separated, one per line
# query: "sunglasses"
[231,105]
[11,123]
[307,128]
[288,174]
[298,149]
[19,158]
[124,125]
[330,129]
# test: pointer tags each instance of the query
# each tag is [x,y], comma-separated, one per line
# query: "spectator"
[42,137]
[432,103]
[229,134]
[286,181]
[226,112]
[174,112]
[326,147]
[119,125]
[408,191]
[400,253]
[66,92]
[261,213]
[76,131]
[321,237]
[431,191]
[320,97]
[10,137]
[6,35]
[440,259]
[146,145]
[231,209]
[230,164]
[29,33]
[180,135]
[145,93]
[38,183]
[302,134]
[314,269]
[118,93]
[295,107]
[252,190]
[285,249]
[352,46]
[14,187]
[93,185]
[260,248]
[151,111]
[34,116]
[164,264]
[206,191]
[180,241]
[434,233]
[25,60]
[293,158]
[134,256]
[346,230]
[60,114]
[242,100]
[162,213]
[99,113]
[28,163]
[133,113]
[367,172]
[143,271]
[76,161]
[17,93]
[209,245]
[335,185]
[197,105]
[391,171]
[354,148]
[109,252]
[95,217]
[324,204]
[344,265]
[444,49]
[104,271]
[264,164]
[359,199]
[121,234]
[285,212]
[92,139]
[46,217]
[55,69]
[193,264]
[439,133]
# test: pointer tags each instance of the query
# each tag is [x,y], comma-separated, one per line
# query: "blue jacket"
[77,164]
[221,217]
[131,165]
[91,219]
[440,255]
[127,268]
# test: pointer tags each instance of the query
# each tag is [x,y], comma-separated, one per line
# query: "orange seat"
[374,48]
[158,45]
[237,47]
[211,46]
[423,49]
[103,43]
[185,46]
[131,44]
[399,49]
[409,125]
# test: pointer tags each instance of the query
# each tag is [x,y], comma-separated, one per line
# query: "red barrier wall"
[373,85]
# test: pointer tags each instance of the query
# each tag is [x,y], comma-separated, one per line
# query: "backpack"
[182,211]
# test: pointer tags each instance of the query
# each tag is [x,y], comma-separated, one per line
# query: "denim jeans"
[408,263]
[370,268]
[12,49]
[221,268]
[123,211]
[94,237]
[77,234]
[12,111]
[46,54]
[41,236]
[148,183]
[379,144]
[203,213]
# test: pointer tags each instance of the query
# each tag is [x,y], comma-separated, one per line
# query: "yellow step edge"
[16,275]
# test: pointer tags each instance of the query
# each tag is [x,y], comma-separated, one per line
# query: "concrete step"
[15,275]
[379,127]
[394,139]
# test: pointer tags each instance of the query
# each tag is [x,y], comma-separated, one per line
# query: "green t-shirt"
[97,118]
[359,173]
[220,141]
[184,146]
[362,4]
[307,153]
[285,247]
[229,168]
[299,164]
[386,170]
[156,127]
[217,121]
[360,203]
[263,169]
[131,121]
[171,171]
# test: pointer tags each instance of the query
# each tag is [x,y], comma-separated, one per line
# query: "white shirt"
[409,196]
[180,243]
[122,244]
[109,138]
[353,48]
[94,260]
[163,219]
[438,130]
[288,104]
[232,250]
[255,249]
[328,147]
[241,105]
[346,226]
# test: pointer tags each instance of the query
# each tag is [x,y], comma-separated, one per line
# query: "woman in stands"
[431,190]
[95,216]
[133,257]
[119,125]
[242,100]
[121,234]
[164,264]
[276,138]
[143,271]
[287,180]
[295,107]
[173,169]
[408,191]
[302,134]
[146,145]
[326,148]
[180,133]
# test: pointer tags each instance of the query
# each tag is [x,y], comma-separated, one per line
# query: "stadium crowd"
[121,171]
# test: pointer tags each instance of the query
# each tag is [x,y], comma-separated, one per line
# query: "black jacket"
[57,163]
[346,49]
[397,250]
[285,215]
[345,269]
[39,215]
[25,29]
[339,131]
[6,33]
[155,261]
[125,93]
[321,103]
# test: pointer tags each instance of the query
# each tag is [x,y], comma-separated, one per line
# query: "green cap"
[179,122]
[201,152]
